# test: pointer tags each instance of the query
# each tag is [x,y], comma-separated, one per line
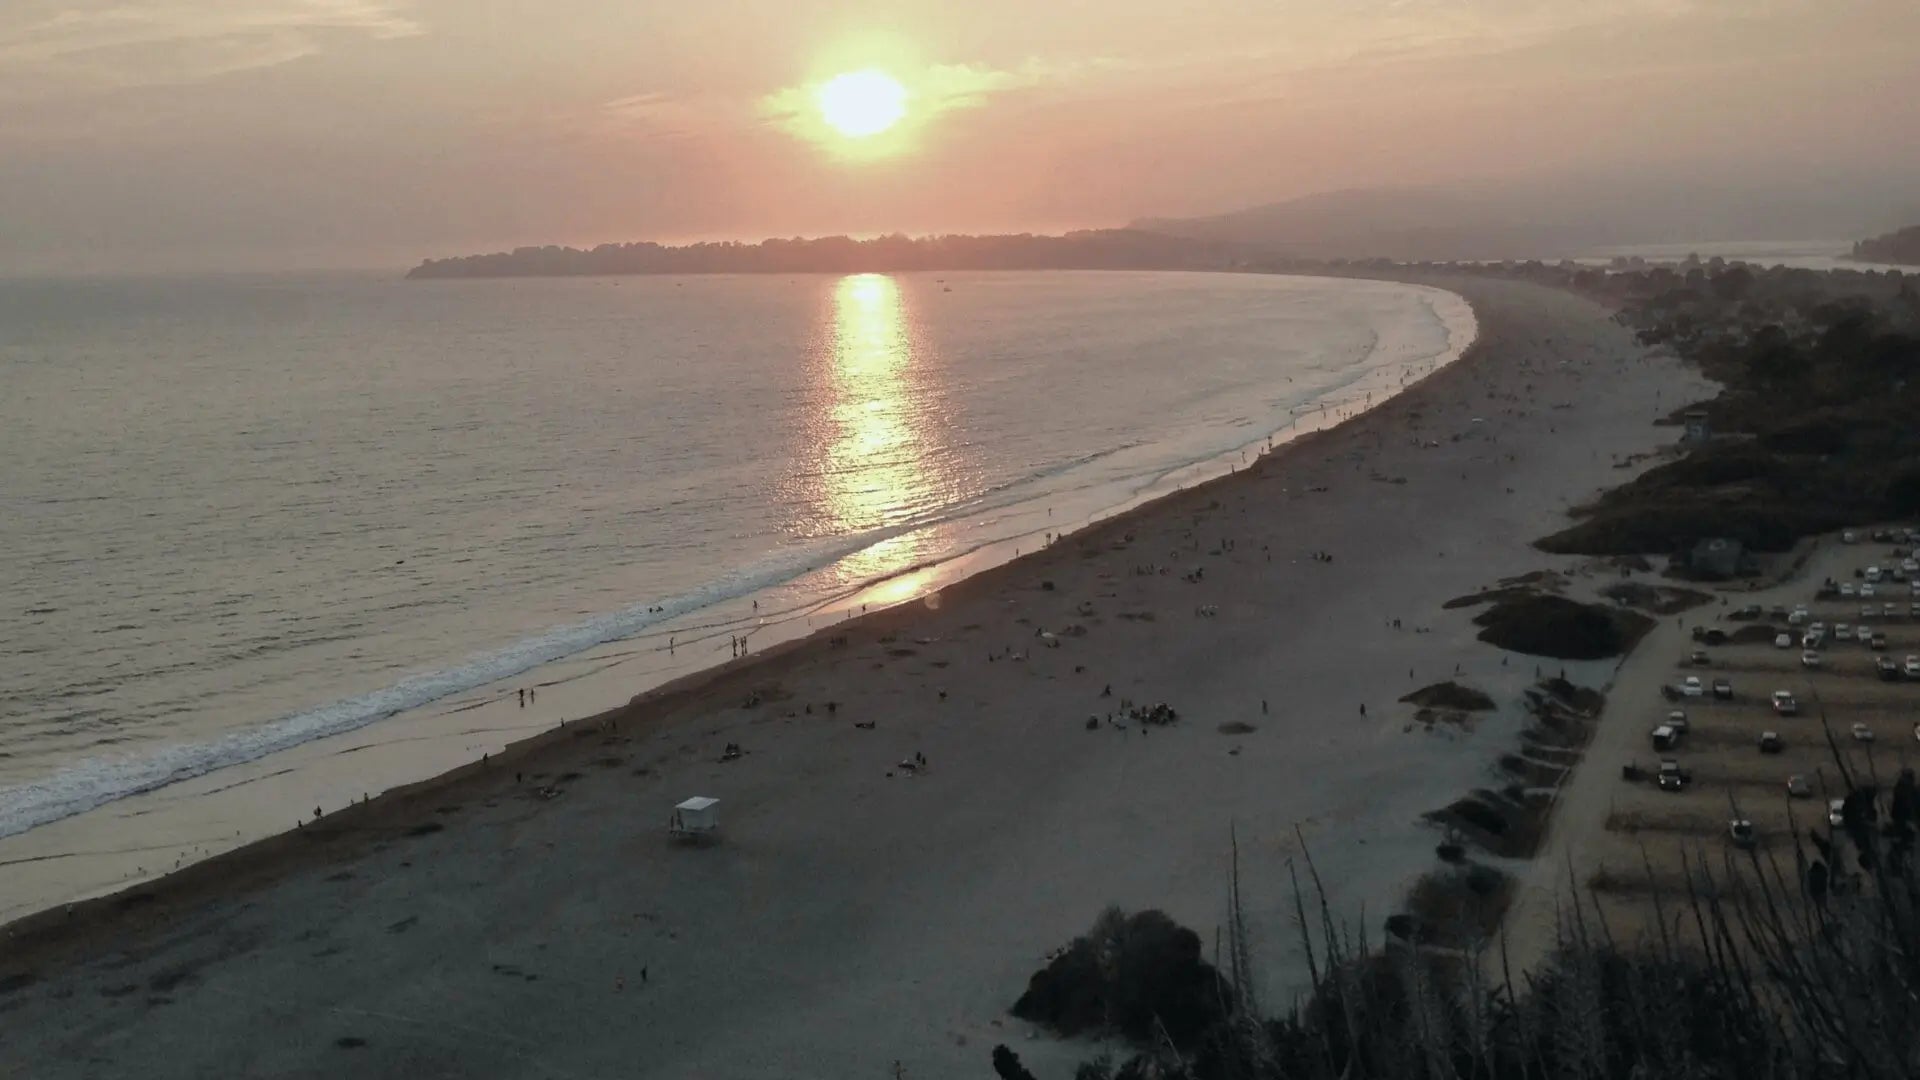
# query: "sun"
[858,104]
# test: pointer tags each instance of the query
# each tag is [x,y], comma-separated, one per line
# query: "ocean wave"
[96,781]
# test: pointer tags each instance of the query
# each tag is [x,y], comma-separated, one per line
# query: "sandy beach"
[528,916]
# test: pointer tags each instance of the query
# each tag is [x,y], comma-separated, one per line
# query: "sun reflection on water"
[875,468]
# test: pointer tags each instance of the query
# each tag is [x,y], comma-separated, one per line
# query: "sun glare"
[862,103]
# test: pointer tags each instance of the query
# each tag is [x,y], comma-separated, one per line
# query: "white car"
[1809,658]
[1873,577]
[1842,631]
[1866,591]
[1836,812]
[1910,567]
[1863,633]
[1846,588]
[1784,704]
[1783,641]
[1912,668]
[1690,687]
[1862,733]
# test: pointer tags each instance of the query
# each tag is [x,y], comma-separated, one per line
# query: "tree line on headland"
[1096,249]
[1901,246]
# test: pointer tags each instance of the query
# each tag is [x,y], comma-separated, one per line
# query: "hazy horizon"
[254,134]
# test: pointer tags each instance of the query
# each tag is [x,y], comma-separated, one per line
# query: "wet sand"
[529,917]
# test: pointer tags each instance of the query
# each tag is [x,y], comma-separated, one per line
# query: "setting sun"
[862,103]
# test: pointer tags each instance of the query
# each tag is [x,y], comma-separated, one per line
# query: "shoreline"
[347,820]
[442,732]
[842,886]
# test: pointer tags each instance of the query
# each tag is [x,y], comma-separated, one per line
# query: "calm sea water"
[241,514]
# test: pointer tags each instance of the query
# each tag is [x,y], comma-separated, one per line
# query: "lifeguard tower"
[695,819]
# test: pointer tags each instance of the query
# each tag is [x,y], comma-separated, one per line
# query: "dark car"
[1723,689]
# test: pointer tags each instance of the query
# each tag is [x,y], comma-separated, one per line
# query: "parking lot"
[1849,717]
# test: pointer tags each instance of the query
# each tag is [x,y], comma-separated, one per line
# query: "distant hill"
[1551,218]
[1102,249]
[1901,246]
[1397,223]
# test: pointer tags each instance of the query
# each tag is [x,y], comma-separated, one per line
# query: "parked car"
[1665,738]
[1872,575]
[1889,671]
[1783,641]
[1798,788]
[1771,743]
[1842,631]
[1878,642]
[1868,611]
[1741,831]
[1836,812]
[1889,610]
[1784,704]
[1723,689]
[1672,777]
[1690,687]
[1846,589]
[1862,733]
[1677,720]
[1698,658]
[1863,634]
[1809,658]
[1912,668]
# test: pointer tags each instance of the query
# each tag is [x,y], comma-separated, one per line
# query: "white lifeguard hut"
[695,819]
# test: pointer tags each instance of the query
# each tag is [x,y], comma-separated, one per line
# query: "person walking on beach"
[523,697]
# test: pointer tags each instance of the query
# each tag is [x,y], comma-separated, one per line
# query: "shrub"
[1130,975]
[1564,629]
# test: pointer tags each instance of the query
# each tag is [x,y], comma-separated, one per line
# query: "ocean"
[244,516]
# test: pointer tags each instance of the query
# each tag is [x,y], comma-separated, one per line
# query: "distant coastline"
[1097,249]
[1901,247]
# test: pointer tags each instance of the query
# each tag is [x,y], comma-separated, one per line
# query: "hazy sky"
[213,133]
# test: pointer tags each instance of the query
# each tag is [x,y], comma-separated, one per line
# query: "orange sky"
[268,132]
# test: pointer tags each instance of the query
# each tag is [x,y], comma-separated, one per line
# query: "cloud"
[48,47]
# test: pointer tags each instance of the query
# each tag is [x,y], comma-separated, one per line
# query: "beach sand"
[529,917]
